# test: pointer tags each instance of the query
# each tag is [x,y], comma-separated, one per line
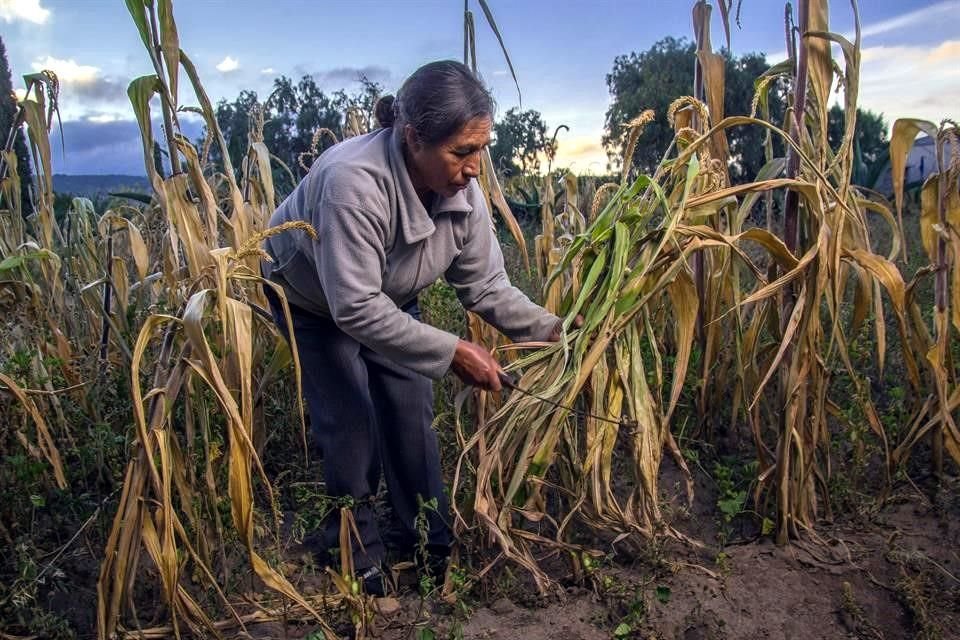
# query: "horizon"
[910,59]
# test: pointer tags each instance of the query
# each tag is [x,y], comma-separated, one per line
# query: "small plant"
[914,592]
[426,632]
[427,579]
[732,479]
[723,563]
[626,602]
[852,614]
[312,508]
[20,609]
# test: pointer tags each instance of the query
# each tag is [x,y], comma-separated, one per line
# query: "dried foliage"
[669,267]
[198,369]
[687,308]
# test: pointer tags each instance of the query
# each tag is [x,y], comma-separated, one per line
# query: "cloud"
[921,81]
[584,154]
[946,51]
[912,18]
[82,81]
[227,65]
[340,77]
[925,17]
[103,118]
[581,145]
[106,144]
[892,57]
[103,89]
[67,70]
[26,10]
[267,70]
[909,80]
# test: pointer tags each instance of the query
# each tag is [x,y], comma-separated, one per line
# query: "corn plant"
[40,267]
[208,353]
[210,360]
[939,222]
[667,257]
[213,355]
[477,330]
[665,269]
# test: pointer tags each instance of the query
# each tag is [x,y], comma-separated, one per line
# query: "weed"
[20,607]
[426,633]
[625,602]
[427,579]
[914,592]
[312,507]
[732,479]
[724,564]
[852,614]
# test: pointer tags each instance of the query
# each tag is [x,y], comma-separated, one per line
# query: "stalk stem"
[940,298]
[792,202]
[166,100]
[701,33]
[107,291]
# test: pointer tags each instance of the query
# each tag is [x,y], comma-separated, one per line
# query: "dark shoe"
[397,541]
[433,561]
[373,581]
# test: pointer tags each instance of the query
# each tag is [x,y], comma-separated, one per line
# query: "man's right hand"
[475,366]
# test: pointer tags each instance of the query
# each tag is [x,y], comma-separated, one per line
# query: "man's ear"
[411,138]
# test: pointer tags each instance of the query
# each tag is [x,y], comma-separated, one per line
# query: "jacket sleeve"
[482,285]
[350,257]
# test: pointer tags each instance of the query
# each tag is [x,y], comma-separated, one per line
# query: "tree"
[234,120]
[871,146]
[656,77]
[292,115]
[521,136]
[363,102]
[8,111]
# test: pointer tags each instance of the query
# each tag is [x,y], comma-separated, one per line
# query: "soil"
[893,573]
[888,571]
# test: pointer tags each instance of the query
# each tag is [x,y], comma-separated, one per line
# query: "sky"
[562,51]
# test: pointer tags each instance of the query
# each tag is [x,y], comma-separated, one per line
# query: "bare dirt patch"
[891,574]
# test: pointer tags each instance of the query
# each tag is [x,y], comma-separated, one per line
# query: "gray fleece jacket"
[377,247]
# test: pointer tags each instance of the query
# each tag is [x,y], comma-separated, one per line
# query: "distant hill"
[93,185]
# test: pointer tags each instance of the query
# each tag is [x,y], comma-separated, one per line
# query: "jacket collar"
[415,222]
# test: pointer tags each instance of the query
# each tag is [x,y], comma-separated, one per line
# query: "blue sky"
[562,51]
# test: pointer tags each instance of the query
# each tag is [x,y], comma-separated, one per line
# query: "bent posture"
[394,210]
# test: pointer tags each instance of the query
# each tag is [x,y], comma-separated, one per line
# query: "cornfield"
[666,265]
[687,308]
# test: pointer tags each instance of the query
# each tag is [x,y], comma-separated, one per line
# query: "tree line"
[12,137]
[651,79]
[291,116]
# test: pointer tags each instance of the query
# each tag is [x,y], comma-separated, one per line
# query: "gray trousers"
[369,416]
